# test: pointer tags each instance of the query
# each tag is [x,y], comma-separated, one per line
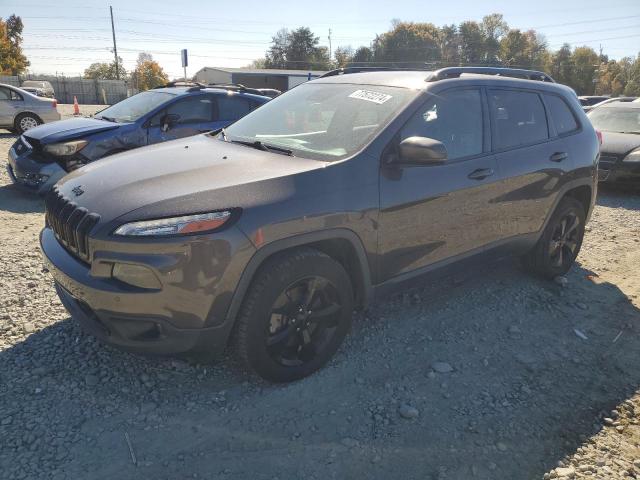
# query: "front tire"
[295,316]
[26,121]
[557,249]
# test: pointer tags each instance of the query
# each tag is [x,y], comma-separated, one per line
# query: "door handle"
[481,173]
[558,156]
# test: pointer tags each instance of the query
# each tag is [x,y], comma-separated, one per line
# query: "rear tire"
[295,315]
[26,121]
[557,249]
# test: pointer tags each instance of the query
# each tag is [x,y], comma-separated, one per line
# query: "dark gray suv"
[269,233]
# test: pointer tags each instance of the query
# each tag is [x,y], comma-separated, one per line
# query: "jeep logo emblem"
[78,190]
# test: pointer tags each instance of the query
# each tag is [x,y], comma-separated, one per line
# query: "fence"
[87,91]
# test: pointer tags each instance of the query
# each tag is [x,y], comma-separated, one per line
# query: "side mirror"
[422,151]
[169,121]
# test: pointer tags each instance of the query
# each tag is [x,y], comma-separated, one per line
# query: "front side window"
[454,118]
[5,93]
[563,119]
[323,121]
[518,117]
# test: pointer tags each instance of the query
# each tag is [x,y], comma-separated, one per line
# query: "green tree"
[298,49]
[559,65]
[12,60]
[585,63]
[493,28]
[449,44]
[105,71]
[407,43]
[363,55]
[472,43]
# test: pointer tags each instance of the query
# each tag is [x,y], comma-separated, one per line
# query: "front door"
[192,115]
[432,213]
[10,104]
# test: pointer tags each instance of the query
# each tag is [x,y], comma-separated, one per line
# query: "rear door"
[10,105]
[433,213]
[533,160]
[195,114]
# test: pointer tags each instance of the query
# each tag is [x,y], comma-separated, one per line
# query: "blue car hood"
[69,129]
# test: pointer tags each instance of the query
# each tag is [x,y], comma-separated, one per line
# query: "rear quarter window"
[561,115]
[518,118]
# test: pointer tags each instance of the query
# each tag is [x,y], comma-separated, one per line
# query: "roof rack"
[342,71]
[237,87]
[178,83]
[455,72]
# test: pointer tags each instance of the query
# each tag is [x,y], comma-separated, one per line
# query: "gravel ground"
[489,375]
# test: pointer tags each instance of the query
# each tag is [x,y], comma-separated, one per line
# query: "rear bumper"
[50,115]
[121,316]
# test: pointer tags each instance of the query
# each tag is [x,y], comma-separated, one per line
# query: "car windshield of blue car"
[321,121]
[609,119]
[132,108]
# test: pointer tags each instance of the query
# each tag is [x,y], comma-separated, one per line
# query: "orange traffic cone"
[76,107]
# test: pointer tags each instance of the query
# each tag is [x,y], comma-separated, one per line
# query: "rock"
[350,442]
[29,327]
[442,367]
[581,306]
[566,472]
[91,380]
[514,329]
[501,446]
[408,412]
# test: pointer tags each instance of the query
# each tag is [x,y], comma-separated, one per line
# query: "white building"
[256,78]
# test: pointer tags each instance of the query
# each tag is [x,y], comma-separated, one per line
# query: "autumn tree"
[12,60]
[148,73]
[298,49]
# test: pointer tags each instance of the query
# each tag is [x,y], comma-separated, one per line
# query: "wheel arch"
[15,119]
[343,245]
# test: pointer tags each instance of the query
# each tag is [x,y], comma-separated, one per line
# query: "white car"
[21,110]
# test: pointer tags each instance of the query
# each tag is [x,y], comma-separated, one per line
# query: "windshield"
[132,108]
[322,121]
[609,119]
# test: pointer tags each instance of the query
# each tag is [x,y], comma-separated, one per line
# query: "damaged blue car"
[44,154]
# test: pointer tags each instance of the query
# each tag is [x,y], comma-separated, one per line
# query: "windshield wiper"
[633,132]
[108,119]
[258,145]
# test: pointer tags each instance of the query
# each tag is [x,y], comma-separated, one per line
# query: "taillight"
[54,104]
[599,135]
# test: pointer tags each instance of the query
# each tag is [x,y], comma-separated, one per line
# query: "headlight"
[634,156]
[202,222]
[66,148]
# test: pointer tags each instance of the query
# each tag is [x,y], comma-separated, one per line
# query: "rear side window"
[194,109]
[561,114]
[518,118]
[232,108]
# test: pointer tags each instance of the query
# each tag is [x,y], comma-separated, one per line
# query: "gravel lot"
[490,375]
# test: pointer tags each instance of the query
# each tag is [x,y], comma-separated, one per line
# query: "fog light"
[136,275]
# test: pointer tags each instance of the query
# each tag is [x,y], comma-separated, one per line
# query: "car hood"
[184,176]
[619,143]
[68,129]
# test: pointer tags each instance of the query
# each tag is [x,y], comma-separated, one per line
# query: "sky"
[65,37]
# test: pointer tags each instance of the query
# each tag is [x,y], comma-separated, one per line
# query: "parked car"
[620,150]
[271,231]
[44,88]
[590,100]
[41,157]
[21,111]
[608,101]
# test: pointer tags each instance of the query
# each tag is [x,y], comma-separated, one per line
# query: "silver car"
[44,88]
[21,110]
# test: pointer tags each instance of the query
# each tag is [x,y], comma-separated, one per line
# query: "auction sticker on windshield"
[369,96]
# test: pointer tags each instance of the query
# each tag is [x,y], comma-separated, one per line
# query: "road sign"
[185,61]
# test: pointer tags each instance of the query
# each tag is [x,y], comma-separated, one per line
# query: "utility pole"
[330,52]
[115,49]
